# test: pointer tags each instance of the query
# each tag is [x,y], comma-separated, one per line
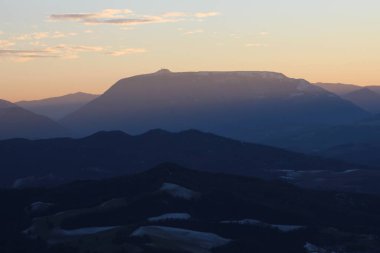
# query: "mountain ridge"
[108,154]
[19,122]
[58,107]
[366,98]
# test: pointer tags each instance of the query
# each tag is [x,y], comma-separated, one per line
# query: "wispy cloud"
[256,45]
[105,14]
[43,35]
[235,36]
[6,43]
[25,55]
[37,44]
[206,14]
[127,51]
[191,32]
[64,51]
[127,17]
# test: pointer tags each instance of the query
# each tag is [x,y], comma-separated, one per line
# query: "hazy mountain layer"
[339,88]
[365,98]
[18,122]
[58,107]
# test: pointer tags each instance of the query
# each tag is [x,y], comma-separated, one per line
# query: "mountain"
[358,142]
[173,209]
[5,104]
[339,88]
[374,88]
[58,107]
[106,154]
[242,105]
[365,98]
[18,122]
[359,153]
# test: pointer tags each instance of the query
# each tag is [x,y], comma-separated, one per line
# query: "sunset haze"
[51,48]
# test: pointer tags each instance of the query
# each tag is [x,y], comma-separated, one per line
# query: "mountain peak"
[6,104]
[163,72]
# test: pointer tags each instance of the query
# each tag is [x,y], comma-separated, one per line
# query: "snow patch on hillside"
[81,231]
[181,239]
[311,248]
[39,206]
[170,216]
[252,222]
[243,222]
[178,191]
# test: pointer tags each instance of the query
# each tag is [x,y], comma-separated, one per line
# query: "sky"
[54,47]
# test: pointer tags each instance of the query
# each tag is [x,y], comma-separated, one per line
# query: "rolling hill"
[173,209]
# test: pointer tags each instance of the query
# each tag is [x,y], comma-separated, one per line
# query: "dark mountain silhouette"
[357,142]
[365,98]
[108,154]
[173,209]
[242,105]
[58,107]
[339,89]
[359,153]
[18,122]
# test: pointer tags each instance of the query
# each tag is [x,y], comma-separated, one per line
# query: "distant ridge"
[365,98]
[339,88]
[18,122]
[5,104]
[58,107]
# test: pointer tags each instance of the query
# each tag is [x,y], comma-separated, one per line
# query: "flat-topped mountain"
[243,104]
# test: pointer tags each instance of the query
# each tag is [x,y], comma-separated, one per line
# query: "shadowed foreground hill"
[108,154]
[172,209]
